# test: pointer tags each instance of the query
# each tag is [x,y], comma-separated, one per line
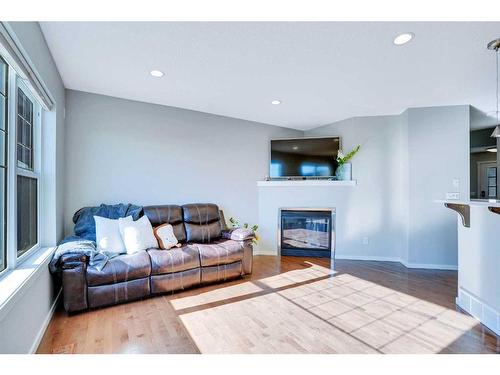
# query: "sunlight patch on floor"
[338,314]
[216,295]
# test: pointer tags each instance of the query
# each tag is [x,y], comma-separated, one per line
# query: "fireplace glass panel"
[306,233]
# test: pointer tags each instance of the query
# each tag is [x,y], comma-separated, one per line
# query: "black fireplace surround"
[307,232]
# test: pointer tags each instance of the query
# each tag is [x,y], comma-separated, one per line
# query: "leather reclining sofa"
[209,253]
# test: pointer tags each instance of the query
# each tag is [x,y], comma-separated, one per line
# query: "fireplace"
[307,232]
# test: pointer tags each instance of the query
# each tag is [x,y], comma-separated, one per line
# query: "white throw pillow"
[137,235]
[108,236]
[165,236]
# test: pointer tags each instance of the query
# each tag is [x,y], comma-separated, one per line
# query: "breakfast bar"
[479,253]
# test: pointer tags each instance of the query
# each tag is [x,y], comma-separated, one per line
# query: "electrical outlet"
[365,241]
[453,196]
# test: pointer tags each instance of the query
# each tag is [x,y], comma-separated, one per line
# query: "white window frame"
[15,82]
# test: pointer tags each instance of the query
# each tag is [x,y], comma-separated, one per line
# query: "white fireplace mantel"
[301,183]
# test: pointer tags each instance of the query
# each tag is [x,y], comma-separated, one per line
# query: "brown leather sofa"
[209,253]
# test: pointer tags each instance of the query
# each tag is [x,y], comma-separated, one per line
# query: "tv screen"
[304,157]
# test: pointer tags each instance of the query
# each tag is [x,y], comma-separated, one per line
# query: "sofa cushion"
[171,282]
[221,272]
[173,260]
[108,236]
[121,268]
[104,295]
[202,222]
[167,214]
[220,252]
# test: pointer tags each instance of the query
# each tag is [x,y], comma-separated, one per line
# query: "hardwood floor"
[288,305]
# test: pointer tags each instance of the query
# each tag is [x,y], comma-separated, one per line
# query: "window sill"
[14,283]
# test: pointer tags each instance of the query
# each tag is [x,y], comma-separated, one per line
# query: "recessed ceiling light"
[156,73]
[276,102]
[403,38]
[295,147]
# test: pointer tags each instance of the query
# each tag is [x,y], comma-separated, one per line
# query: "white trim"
[12,173]
[43,328]
[36,144]
[479,309]
[300,183]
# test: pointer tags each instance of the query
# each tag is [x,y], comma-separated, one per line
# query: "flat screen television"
[304,157]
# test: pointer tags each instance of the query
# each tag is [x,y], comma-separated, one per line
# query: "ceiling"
[322,72]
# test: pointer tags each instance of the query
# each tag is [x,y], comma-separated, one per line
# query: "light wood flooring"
[288,305]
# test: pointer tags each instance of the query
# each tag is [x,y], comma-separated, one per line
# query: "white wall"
[21,326]
[438,151]
[126,151]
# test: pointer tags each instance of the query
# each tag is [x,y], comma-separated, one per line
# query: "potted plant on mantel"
[344,168]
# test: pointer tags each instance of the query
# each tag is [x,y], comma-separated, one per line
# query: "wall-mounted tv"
[304,157]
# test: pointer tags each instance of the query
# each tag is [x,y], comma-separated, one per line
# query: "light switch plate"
[456,183]
[453,196]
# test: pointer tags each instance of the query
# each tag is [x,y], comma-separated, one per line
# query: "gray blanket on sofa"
[83,242]
[96,259]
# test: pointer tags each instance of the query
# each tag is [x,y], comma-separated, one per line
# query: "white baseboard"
[428,266]
[264,252]
[480,310]
[367,257]
[45,324]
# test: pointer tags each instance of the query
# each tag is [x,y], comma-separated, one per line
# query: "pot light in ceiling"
[156,73]
[295,147]
[276,102]
[403,38]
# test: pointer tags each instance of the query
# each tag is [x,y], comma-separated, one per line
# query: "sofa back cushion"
[202,222]
[84,217]
[167,214]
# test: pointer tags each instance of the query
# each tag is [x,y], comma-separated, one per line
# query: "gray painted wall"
[126,151]
[406,162]
[22,326]
[438,151]
[373,206]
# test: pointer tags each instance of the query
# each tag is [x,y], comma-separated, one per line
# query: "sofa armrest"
[72,260]
[74,281]
[238,234]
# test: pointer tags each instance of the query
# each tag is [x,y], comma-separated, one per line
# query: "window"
[24,131]
[27,118]
[20,168]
